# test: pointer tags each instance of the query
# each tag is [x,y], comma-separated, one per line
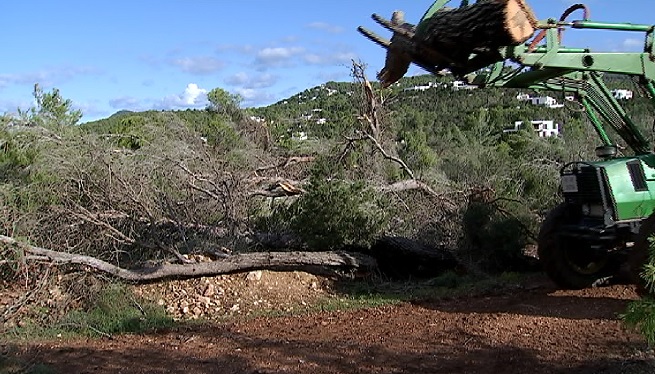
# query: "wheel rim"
[585,261]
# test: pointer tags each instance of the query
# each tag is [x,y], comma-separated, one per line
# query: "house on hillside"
[461,85]
[523,97]
[422,87]
[621,94]
[544,129]
[547,101]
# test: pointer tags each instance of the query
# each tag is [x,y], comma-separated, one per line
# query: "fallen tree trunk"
[311,262]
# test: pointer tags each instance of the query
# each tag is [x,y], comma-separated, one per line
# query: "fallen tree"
[311,262]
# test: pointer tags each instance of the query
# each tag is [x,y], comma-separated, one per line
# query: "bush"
[493,240]
[116,310]
[333,214]
[641,313]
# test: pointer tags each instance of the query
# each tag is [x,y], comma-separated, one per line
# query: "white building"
[421,88]
[544,129]
[546,101]
[622,94]
[461,85]
[523,97]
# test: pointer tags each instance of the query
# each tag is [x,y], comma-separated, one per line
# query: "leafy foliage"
[334,213]
[641,313]
[197,167]
[51,109]
[116,310]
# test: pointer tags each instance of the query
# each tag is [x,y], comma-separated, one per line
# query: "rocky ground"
[528,328]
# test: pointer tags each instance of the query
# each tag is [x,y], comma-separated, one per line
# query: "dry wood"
[485,24]
[277,261]
[459,39]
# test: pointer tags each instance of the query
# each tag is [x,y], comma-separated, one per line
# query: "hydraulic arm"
[543,63]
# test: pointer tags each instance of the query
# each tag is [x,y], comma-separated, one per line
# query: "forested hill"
[431,104]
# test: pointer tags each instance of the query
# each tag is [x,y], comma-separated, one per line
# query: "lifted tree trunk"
[459,39]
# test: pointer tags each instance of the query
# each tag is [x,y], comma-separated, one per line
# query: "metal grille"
[589,189]
[637,176]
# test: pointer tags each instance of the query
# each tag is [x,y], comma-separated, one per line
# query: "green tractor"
[603,224]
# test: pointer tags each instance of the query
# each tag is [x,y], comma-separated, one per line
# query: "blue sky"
[165,54]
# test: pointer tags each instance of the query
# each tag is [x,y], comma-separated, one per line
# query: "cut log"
[460,39]
[483,25]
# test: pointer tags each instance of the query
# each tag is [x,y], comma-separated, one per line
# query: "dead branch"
[276,261]
[397,160]
[286,163]
[410,184]
[414,184]
[370,118]
[89,217]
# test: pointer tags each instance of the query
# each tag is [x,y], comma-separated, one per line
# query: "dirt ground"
[533,329]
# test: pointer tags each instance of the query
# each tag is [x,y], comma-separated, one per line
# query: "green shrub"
[641,313]
[492,239]
[116,310]
[334,213]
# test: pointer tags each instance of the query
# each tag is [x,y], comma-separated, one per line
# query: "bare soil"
[532,328]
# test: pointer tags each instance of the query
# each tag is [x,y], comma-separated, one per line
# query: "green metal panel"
[630,204]
[620,63]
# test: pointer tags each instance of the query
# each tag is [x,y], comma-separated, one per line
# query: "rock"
[254,276]
[210,290]
[204,300]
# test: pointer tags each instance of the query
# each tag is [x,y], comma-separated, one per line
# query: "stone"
[254,276]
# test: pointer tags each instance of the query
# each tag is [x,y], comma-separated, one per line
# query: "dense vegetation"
[153,186]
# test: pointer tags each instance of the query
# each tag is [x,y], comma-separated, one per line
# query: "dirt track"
[530,330]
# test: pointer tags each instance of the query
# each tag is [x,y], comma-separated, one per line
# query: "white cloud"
[11,106]
[277,56]
[126,103]
[240,48]
[192,97]
[324,26]
[201,65]
[245,80]
[329,58]
[47,77]
[342,75]
[632,44]
[255,97]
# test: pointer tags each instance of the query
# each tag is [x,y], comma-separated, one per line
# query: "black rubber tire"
[570,264]
[639,254]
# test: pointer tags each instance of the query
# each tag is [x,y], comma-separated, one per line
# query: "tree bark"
[485,24]
[311,262]
[459,39]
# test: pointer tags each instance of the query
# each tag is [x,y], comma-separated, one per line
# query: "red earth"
[533,328]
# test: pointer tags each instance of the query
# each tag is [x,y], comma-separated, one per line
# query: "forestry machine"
[603,225]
